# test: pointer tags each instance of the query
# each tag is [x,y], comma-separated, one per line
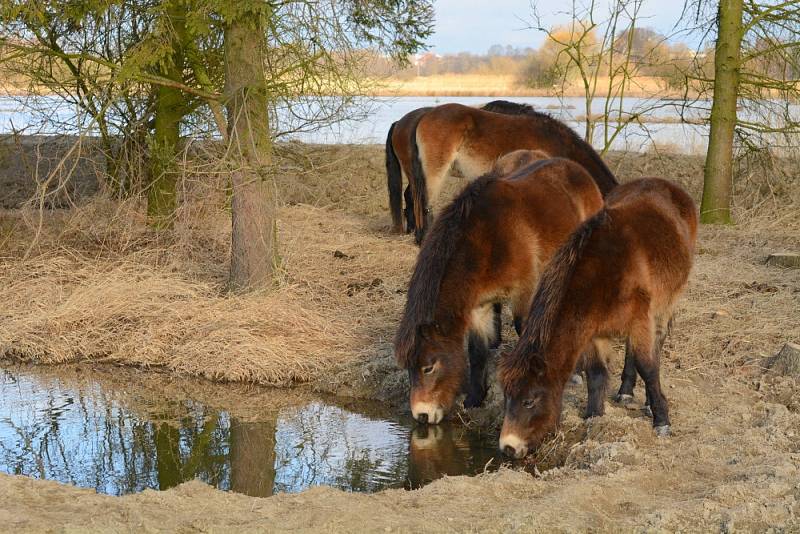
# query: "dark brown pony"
[489,244]
[470,140]
[399,157]
[618,275]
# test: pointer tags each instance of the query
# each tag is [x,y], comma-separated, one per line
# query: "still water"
[48,115]
[110,436]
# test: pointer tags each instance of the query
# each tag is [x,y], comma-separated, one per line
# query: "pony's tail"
[394,179]
[419,188]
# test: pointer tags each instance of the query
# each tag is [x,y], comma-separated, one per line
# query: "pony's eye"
[427,369]
[529,403]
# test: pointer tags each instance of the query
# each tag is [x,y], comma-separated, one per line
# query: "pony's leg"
[625,393]
[436,154]
[497,308]
[478,349]
[663,328]
[646,358]
[409,211]
[521,305]
[596,379]
[481,334]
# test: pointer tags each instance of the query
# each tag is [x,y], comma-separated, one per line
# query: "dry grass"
[142,308]
[503,85]
[98,285]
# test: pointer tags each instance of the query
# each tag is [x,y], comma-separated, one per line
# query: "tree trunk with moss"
[170,108]
[253,205]
[718,175]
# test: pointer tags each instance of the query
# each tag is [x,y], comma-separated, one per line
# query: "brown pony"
[489,244]
[471,139]
[619,274]
[399,157]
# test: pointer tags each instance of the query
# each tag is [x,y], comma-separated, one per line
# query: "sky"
[475,25]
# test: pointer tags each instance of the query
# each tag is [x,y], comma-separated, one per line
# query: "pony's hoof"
[648,411]
[663,431]
[622,398]
[576,380]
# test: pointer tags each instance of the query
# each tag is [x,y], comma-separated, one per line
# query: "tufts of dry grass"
[125,297]
[93,283]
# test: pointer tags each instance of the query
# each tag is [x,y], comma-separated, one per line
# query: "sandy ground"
[732,463]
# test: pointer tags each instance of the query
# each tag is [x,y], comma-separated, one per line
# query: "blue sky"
[475,25]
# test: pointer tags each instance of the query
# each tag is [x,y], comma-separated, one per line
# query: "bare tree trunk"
[718,176]
[253,238]
[169,112]
[161,192]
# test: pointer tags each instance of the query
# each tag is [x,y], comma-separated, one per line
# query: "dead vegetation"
[93,283]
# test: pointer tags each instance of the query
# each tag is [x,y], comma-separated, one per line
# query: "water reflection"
[89,436]
[436,451]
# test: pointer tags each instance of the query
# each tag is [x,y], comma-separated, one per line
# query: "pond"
[121,432]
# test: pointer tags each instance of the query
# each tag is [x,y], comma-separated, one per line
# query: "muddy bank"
[729,467]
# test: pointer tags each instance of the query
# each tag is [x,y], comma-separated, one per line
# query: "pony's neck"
[570,336]
[456,300]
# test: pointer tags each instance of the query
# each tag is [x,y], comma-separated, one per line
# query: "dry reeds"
[138,309]
[98,285]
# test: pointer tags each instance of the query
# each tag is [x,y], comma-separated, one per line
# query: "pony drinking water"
[619,274]
[491,243]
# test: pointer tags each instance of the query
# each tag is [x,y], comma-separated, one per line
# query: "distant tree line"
[653,54]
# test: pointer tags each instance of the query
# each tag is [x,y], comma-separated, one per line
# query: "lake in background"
[377,114]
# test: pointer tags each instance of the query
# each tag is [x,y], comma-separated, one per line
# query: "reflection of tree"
[168,455]
[322,444]
[252,454]
[84,436]
[189,451]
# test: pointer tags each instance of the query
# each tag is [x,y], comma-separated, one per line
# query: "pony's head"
[532,410]
[437,372]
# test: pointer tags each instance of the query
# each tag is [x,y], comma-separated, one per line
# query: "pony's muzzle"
[513,447]
[427,413]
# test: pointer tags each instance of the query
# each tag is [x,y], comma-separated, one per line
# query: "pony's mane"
[437,249]
[557,126]
[507,108]
[528,356]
